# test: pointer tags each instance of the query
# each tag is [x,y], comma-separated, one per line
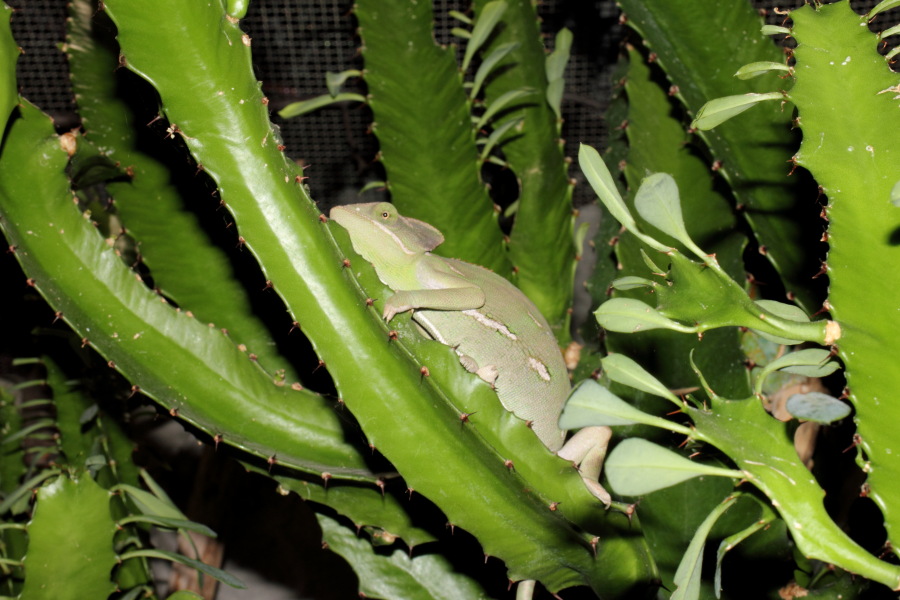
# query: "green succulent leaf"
[497,135]
[809,362]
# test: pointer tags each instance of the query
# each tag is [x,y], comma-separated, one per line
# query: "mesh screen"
[295,42]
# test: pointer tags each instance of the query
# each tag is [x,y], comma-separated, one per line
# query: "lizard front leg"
[452,298]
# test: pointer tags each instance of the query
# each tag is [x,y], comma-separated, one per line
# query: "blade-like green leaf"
[199,566]
[487,65]
[295,109]
[687,577]
[882,6]
[484,26]
[397,574]
[506,101]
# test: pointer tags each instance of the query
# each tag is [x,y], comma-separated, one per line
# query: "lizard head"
[377,229]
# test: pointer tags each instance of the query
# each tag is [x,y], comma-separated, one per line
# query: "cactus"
[485,471]
[696,306]
[852,161]
[262,190]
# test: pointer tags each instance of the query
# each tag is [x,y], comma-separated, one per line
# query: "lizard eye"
[385,215]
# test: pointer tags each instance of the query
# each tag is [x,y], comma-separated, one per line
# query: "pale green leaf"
[462,33]
[556,62]
[774,30]
[592,404]
[636,467]
[890,31]
[720,110]
[601,180]
[658,202]
[624,370]
[810,362]
[372,185]
[149,504]
[460,17]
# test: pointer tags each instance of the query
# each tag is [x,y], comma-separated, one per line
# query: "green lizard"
[497,332]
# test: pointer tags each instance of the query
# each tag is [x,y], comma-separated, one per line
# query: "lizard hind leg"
[587,449]
[488,373]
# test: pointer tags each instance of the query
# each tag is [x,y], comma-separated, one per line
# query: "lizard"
[497,332]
